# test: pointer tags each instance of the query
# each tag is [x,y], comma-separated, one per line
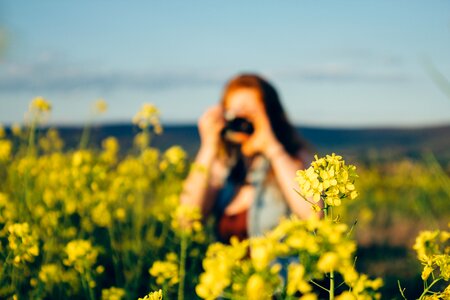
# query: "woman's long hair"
[286,134]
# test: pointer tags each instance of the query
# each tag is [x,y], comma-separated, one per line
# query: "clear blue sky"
[335,63]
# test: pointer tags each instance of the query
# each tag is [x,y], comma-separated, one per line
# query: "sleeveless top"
[266,209]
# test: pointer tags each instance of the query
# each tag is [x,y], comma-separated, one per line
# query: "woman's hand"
[210,125]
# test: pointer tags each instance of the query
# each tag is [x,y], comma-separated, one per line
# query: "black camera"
[241,125]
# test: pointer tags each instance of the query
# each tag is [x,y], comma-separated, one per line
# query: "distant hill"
[359,144]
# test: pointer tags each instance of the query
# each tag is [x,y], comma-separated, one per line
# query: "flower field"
[89,223]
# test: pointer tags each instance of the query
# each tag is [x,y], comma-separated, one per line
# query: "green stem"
[329,216]
[85,136]
[87,288]
[183,251]
[31,137]
[402,291]
[429,287]
[331,285]
[115,256]
[318,285]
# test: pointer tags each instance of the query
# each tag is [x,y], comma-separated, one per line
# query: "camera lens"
[240,125]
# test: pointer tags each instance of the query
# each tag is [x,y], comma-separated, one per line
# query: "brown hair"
[286,134]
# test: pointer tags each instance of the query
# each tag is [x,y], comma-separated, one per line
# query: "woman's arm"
[205,178]
[285,167]
[203,182]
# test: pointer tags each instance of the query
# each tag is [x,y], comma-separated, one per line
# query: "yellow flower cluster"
[5,146]
[148,115]
[328,178]
[23,243]
[111,149]
[186,221]
[5,150]
[166,272]
[50,273]
[218,265]
[100,106]
[126,204]
[311,248]
[51,142]
[296,281]
[156,295]
[81,255]
[39,104]
[433,251]
[175,158]
[113,293]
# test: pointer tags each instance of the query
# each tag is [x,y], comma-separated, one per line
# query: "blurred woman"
[244,170]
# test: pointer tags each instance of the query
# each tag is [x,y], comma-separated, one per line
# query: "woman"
[246,175]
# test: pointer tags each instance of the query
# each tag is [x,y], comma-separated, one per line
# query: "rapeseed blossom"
[110,151]
[296,280]
[328,178]
[148,115]
[50,273]
[101,106]
[39,104]
[2,131]
[113,293]
[166,272]
[156,295]
[256,288]
[174,157]
[186,220]
[51,142]
[23,243]
[433,251]
[81,255]
[128,206]
[5,150]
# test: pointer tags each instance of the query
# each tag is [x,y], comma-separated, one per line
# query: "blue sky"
[335,63]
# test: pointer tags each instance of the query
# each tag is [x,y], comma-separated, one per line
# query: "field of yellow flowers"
[91,223]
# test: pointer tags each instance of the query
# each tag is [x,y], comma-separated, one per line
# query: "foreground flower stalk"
[328,180]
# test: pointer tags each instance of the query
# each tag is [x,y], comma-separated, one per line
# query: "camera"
[240,125]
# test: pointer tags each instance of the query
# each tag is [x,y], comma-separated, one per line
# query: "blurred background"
[365,79]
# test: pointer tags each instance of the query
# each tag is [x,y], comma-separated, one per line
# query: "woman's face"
[242,103]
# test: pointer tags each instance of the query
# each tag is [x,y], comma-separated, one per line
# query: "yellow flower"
[101,106]
[175,158]
[426,245]
[256,288]
[113,293]
[120,214]
[166,272]
[50,273]
[16,129]
[81,255]
[23,243]
[261,252]
[157,295]
[308,297]
[346,296]
[5,150]
[148,115]
[328,178]
[110,144]
[186,220]
[296,281]
[51,142]
[39,104]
